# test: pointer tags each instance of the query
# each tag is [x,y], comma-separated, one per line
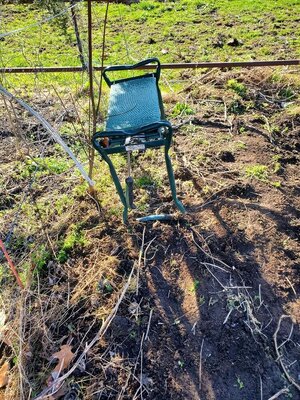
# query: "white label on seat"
[133,147]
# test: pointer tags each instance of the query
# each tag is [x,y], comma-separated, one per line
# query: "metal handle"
[130,67]
[129,192]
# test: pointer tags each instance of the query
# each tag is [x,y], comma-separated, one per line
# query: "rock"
[226,156]
[234,42]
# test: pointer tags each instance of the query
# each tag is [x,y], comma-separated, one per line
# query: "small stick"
[200,364]
[219,282]
[291,285]
[259,294]
[289,337]
[227,316]
[149,322]
[140,262]
[279,356]
[11,265]
[276,395]
[141,374]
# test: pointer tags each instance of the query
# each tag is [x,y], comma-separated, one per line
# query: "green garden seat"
[135,121]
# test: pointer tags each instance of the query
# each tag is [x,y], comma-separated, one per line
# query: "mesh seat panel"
[133,103]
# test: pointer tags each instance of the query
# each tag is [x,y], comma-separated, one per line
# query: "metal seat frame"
[153,135]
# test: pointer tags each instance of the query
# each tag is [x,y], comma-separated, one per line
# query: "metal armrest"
[139,65]
[129,132]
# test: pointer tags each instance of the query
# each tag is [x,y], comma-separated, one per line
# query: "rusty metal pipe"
[196,65]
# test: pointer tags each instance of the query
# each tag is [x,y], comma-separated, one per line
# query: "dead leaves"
[4,374]
[65,357]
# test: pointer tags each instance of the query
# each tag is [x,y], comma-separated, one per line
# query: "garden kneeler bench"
[135,121]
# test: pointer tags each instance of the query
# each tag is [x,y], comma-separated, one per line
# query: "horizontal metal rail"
[196,65]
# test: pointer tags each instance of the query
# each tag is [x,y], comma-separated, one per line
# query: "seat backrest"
[145,64]
[135,101]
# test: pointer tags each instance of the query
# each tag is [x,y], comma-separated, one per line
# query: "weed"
[40,258]
[240,383]
[259,172]
[201,141]
[277,167]
[233,303]
[147,5]
[133,335]
[206,189]
[62,203]
[43,166]
[293,110]
[201,300]
[240,145]
[173,262]
[236,107]
[286,93]
[3,272]
[108,287]
[25,273]
[199,4]
[202,159]
[195,286]
[182,109]
[144,181]
[237,87]
[74,238]
[276,184]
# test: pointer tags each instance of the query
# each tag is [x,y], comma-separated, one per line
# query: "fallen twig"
[140,262]
[279,356]
[11,265]
[200,364]
[276,395]
[148,326]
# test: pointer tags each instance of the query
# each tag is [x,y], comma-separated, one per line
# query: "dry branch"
[279,356]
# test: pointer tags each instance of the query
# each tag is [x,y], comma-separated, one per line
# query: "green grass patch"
[259,172]
[238,87]
[265,29]
[74,238]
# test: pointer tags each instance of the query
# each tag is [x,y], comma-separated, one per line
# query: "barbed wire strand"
[51,130]
[43,21]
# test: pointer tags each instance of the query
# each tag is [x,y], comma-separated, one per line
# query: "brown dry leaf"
[65,356]
[4,374]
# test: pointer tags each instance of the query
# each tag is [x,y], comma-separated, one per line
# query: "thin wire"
[55,135]
[2,35]
[129,56]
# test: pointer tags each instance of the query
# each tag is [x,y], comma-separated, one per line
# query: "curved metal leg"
[117,185]
[178,203]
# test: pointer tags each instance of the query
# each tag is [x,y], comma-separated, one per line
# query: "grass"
[75,238]
[174,31]
[42,167]
[259,172]
[237,87]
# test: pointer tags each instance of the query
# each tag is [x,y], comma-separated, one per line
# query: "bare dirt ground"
[212,308]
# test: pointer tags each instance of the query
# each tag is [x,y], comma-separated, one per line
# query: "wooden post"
[91,91]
